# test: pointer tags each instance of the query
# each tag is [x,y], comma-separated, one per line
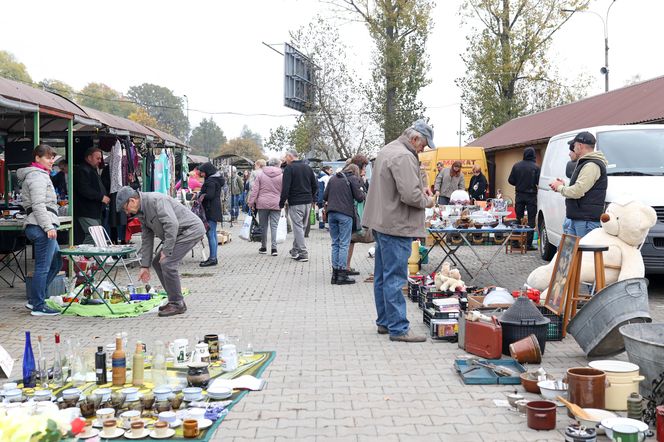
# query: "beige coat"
[396,200]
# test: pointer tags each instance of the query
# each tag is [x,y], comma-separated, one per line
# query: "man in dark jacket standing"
[211,194]
[299,189]
[90,194]
[525,177]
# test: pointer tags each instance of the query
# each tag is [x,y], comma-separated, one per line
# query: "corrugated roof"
[638,103]
[15,90]
[115,122]
[168,138]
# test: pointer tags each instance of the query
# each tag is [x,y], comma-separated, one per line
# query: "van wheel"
[546,249]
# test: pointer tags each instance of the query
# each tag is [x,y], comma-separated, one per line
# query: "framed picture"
[555,297]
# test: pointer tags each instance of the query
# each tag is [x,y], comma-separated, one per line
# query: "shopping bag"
[245,231]
[312,216]
[282,228]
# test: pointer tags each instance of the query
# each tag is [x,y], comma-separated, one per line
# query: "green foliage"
[163,105]
[141,116]
[251,135]
[244,147]
[339,127]
[280,139]
[508,73]
[13,69]
[399,29]
[207,138]
[57,87]
[104,98]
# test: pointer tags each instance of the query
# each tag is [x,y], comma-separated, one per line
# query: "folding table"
[101,256]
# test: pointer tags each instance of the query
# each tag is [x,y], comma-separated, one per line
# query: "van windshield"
[633,152]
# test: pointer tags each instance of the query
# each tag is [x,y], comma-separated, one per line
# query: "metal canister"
[578,433]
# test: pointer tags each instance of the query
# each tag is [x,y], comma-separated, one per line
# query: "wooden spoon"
[576,410]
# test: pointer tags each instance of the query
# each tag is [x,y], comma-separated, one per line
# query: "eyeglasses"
[476,172]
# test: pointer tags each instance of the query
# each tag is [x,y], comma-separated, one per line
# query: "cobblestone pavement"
[334,377]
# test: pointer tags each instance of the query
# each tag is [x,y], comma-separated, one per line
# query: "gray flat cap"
[422,127]
[123,196]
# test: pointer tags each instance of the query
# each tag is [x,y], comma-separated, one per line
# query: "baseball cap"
[123,196]
[583,138]
[422,127]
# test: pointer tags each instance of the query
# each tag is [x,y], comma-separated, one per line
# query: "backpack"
[199,211]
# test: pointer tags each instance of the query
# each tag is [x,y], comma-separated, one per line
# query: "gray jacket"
[446,183]
[167,219]
[39,197]
[395,202]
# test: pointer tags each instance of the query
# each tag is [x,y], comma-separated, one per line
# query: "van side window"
[558,153]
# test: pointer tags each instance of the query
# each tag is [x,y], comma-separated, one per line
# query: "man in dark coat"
[90,194]
[59,180]
[525,177]
[211,194]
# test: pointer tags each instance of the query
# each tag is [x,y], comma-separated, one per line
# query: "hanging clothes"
[162,173]
[115,164]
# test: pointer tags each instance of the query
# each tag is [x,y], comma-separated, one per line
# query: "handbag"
[363,235]
[199,211]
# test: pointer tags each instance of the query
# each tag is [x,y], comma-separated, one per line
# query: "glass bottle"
[42,371]
[28,363]
[58,380]
[100,366]
[138,366]
[158,368]
[119,363]
[77,366]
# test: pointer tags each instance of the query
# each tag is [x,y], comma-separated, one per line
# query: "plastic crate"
[555,330]
[428,314]
[428,294]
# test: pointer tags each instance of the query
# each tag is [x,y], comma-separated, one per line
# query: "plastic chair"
[101,239]
[12,246]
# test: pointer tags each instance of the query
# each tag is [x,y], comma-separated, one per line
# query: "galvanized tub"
[596,326]
[645,347]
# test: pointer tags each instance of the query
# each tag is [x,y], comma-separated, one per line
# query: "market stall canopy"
[197,159]
[167,139]
[118,125]
[234,160]
[18,103]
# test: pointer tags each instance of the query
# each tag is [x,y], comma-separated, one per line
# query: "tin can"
[131,289]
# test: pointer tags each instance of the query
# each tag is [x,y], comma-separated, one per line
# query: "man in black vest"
[586,192]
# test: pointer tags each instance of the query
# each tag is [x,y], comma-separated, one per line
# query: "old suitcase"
[484,339]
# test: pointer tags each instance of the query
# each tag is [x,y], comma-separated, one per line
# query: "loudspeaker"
[18,154]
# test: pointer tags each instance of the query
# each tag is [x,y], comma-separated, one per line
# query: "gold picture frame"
[561,275]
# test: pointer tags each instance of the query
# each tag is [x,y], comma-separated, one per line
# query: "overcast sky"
[212,51]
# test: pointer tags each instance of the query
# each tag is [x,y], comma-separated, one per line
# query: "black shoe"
[262,251]
[163,307]
[352,272]
[302,258]
[343,279]
[273,252]
[335,276]
[210,262]
[173,308]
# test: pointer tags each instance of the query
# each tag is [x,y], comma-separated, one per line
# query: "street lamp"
[605,21]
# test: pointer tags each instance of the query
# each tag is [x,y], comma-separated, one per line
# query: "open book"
[245,382]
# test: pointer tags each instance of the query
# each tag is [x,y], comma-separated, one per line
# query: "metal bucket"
[645,348]
[596,326]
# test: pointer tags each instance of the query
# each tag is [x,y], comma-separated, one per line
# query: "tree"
[57,87]
[163,105]
[207,138]
[13,69]
[399,29]
[250,135]
[104,98]
[141,116]
[339,125]
[243,147]
[280,139]
[508,73]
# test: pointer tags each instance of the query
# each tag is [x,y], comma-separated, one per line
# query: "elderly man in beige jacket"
[394,209]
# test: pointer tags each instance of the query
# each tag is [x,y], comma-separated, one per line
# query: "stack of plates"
[219,393]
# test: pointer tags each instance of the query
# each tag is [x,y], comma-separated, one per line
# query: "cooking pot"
[541,415]
[622,380]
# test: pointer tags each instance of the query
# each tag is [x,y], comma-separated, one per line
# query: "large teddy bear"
[624,228]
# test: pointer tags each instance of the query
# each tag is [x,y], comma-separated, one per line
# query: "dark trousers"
[526,202]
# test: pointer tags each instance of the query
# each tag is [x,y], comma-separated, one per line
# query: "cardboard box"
[476,302]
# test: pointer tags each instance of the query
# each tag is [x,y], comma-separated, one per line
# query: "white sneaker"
[28,306]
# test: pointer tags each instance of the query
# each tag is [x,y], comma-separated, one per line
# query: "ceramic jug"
[200,353]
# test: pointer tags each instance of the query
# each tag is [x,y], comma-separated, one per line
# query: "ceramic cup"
[178,349]
[104,414]
[87,429]
[624,433]
[130,416]
[71,394]
[162,393]
[137,428]
[131,394]
[105,394]
[14,395]
[167,416]
[160,428]
[190,428]
[192,393]
[42,395]
[109,428]
[9,386]
[197,414]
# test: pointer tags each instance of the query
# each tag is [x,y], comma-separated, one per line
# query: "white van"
[635,154]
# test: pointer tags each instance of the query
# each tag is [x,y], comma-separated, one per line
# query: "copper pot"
[541,415]
[586,387]
[526,350]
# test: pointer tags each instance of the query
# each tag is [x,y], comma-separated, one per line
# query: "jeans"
[579,227]
[212,238]
[235,206]
[266,216]
[341,227]
[296,214]
[390,275]
[47,264]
